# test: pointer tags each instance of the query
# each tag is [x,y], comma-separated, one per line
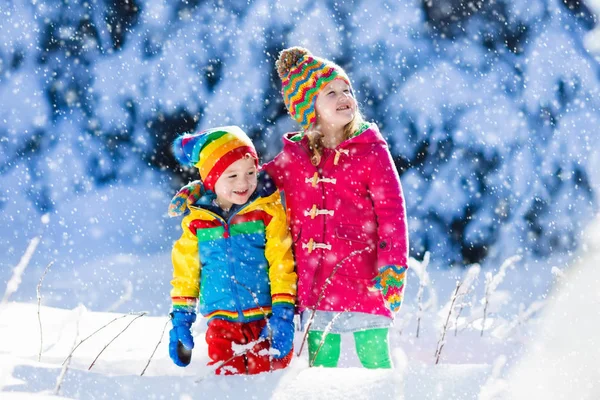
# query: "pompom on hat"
[303,76]
[212,151]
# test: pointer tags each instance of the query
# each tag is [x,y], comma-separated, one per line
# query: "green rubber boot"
[372,348]
[329,353]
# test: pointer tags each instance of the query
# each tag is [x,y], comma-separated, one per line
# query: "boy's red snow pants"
[222,334]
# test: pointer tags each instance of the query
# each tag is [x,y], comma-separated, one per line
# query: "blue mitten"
[181,341]
[281,334]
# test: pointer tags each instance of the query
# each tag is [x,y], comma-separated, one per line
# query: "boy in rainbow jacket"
[235,256]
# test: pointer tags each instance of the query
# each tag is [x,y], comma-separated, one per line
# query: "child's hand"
[390,281]
[281,332]
[187,195]
[181,341]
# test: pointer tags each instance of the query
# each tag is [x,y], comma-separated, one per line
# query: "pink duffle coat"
[352,201]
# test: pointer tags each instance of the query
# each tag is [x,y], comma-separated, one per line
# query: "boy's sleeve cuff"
[283,299]
[184,304]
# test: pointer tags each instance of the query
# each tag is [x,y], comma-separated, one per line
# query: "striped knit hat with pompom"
[212,151]
[302,77]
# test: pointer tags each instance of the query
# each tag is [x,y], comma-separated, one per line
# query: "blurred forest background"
[491,108]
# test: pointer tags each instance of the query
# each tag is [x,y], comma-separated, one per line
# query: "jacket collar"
[265,193]
[297,142]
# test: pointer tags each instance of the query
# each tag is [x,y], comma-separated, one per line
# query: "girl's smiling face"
[237,183]
[335,105]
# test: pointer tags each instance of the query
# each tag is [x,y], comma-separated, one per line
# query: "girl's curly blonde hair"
[315,137]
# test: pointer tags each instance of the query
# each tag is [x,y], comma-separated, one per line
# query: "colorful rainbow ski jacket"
[239,266]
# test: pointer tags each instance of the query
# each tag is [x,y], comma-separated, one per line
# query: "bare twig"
[268,325]
[255,302]
[113,339]
[462,289]
[523,316]
[98,330]
[423,281]
[247,350]
[322,294]
[492,282]
[456,320]
[38,292]
[13,284]
[124,298]
[487,302]
[327,329]
[440,344]
[156,347]
[461,307]
[65,367]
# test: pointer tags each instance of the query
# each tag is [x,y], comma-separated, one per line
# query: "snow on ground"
[116,372]
[564,360]
[471,366]
[113,276]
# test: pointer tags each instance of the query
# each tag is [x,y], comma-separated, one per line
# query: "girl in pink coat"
[346,213]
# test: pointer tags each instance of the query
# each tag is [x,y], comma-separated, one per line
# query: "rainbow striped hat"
[302,77]
[212,151]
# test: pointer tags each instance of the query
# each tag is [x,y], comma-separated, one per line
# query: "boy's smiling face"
[237,183]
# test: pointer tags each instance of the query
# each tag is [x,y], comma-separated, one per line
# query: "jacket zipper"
[226,236]
[234,285]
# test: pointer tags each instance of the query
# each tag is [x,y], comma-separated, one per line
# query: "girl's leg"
[329,354]
[372,348]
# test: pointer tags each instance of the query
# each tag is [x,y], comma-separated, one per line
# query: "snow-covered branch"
[39,307]
[13,283]
[461,290]
[492,282]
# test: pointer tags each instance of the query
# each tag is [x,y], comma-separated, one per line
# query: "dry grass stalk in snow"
[124,298]
[247,349]
[162,334]
[322,294]
[462,289]
[421,272]
[524,315]
[255,299]
[456,319]
[441,341]
[38,291]
[13,284]
[492,282]
[98,330]
[327,329]
[63,372]
[113,339]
